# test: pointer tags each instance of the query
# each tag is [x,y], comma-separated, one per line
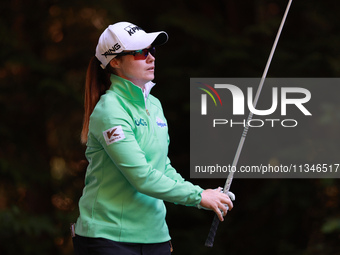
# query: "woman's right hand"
[215,200]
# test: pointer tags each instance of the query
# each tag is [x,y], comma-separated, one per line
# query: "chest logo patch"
[160,122]
[113,135]
[140,122]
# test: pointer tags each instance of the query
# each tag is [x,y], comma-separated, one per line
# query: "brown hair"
[97,82]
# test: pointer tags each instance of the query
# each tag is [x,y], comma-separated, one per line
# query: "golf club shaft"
[211,236]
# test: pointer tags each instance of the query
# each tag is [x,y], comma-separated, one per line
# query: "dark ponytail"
[97,82]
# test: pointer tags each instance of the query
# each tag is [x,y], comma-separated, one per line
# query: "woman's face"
[138,72]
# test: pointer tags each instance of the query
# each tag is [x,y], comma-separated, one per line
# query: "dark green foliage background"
[45,48]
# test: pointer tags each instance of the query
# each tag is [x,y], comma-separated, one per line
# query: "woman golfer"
[126,134]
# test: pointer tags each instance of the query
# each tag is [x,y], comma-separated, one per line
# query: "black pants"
[102,246]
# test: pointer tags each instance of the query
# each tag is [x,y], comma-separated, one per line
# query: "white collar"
[147,88]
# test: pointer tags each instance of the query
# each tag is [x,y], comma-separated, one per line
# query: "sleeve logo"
[113,135]
[160,122]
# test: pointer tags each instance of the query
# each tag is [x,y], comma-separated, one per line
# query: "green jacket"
[129,174]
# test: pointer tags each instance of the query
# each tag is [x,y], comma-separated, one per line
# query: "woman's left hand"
[217,201]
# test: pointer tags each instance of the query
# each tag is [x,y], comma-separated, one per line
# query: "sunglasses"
[138,54]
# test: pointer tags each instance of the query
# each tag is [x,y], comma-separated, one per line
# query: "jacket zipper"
[148,113]
[146,108]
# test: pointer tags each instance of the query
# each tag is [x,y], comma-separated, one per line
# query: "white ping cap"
[125,36]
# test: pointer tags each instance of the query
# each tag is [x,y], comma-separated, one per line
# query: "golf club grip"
[212,232]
